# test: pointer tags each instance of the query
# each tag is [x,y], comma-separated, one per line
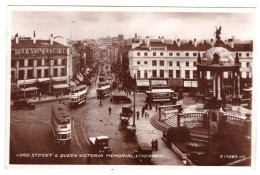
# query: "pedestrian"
[109,110]
[156,144]
[147,115]
[137,113]
[156,108]
[100,103]
[142,111]
[152,143]
[40,96]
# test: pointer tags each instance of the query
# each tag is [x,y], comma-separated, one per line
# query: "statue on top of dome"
[217,34]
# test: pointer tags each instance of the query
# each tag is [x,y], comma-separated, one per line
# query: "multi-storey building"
[39,65]
[176,62]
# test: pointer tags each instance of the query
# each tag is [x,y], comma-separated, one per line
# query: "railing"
[192,120]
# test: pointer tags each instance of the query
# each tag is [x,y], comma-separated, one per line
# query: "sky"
[96,24]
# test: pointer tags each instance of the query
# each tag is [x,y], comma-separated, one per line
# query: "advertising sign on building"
[142,82]
[159,82]
[187,83]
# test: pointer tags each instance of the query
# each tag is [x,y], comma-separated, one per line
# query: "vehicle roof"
[60,111]
[78,87]
[145,146]
[102,137]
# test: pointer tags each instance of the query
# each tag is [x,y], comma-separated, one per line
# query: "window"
[161,63]
[145,74]
[247,75]
[178,73]
[229,75]
[46,62]
[138,74]
[187,54]
[187,74]
[154,73]
[195,74]
[170,73]
[154,53]
[247,54]
[55,62]
[145,54]
[39,62]
[178,54]
[30,62]
[161,53]
[154,63]
[21,63]
[194,54]
[13,63]
[55,72]
[39,73]
[194,63]
[29,74]
[170,54]
[46,72]
[247,64]
[145,62]
[239,54]
[161,73]
[138,62]
[170,63]
[138,54]
[21,74]
[63,72]
[178,63]
[63,62]
[187,64]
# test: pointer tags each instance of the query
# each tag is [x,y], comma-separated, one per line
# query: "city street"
[31,134]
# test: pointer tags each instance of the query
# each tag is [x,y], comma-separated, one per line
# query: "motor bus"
[159,95]
[61,124]
[103,91]
[78,95]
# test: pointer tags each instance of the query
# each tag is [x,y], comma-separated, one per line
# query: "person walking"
[100,103]
[156,144]
[137,114]
[152,144]
[156,108]
[40,96]
[109,110]
[142,111]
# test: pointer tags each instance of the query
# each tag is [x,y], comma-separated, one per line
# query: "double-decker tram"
[78,95]
[103,90]
[61,124]
[159,95]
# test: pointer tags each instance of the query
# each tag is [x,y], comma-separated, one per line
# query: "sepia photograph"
[130,86]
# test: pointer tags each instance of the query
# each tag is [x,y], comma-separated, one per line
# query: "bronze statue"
[215,58]
[217,34]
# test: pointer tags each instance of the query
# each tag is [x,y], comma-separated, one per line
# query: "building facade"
[176,62]
[39,66]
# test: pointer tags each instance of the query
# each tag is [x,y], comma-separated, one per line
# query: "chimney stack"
[16,38]
[34,38]
[212,42]
[163,40]
[195,42]
[231,43]
[178,43]
[147,41]
[51,39]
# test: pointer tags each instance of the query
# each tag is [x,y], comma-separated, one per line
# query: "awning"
[29,89]
[80,78]
[60,86]
[142,83]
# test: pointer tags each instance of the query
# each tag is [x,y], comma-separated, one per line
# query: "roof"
[39,44]
[60,111]
[199,47]
[102,137]
[160,90]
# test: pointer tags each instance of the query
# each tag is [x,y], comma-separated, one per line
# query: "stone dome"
[225,56]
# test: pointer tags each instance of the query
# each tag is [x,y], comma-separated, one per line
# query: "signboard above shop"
[159,82]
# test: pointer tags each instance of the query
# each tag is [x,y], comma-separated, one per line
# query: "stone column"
[219,87]
[214,84]
[238,85]
[234,84]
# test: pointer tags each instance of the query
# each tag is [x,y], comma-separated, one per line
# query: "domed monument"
[218,60]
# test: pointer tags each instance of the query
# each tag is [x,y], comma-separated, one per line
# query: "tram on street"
[159,95]
[61,124]
[78,95]
[103,90]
